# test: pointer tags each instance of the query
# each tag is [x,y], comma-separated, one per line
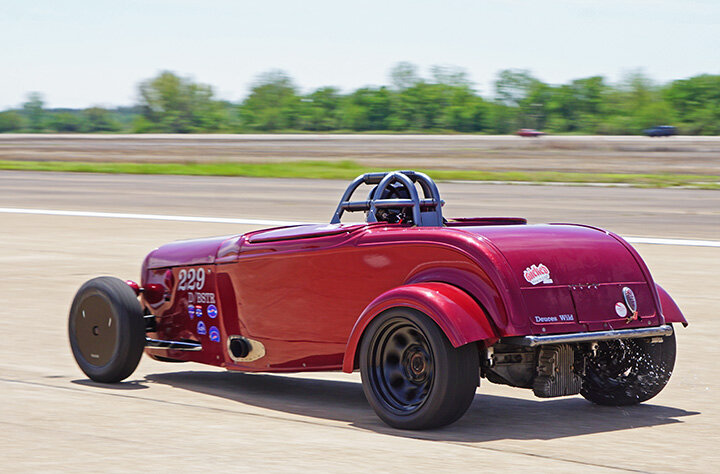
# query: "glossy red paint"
[154,292]
[670,309]
[305,292]
[457,314]
[185,252]
[186,316]
[135,287]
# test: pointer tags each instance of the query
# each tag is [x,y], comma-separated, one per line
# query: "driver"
[393,215]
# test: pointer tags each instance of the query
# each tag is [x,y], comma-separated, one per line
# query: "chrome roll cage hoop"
[427,212]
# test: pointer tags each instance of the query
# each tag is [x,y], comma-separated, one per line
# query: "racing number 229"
[191,279]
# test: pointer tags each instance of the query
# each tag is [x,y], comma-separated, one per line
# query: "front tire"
[628,372]
[412,376]
[106,329]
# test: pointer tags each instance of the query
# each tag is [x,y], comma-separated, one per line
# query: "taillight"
[135,287]
[154,293]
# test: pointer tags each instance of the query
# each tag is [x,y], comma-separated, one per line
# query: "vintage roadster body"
[423,306]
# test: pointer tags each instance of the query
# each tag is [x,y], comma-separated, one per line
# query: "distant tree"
[589,94]
[11,121]
[470,114]
[170,103]
[501,118]
[513,85]
[273,103]
[638,99]
[98,119]
[65,122]
[367,108]
[404,75]
[34,112]
[445,100]
[696,103]
[320,110]
[450,76]
[538,106]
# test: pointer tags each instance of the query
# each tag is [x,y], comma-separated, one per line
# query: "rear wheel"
[412,376]
[106,329]
[630,371]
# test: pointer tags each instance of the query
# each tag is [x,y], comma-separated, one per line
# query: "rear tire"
[106,329]
[628,372]
[412,376]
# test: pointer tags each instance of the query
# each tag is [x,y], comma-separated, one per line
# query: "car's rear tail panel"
[571,278]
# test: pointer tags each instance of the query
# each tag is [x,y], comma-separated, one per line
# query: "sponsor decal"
[621,309]
[560,318]
[631,303]
[214,334]
[198,311]
[212,311]
[630,299]
[205,297]
[537,274]
[201,328]
[191,311]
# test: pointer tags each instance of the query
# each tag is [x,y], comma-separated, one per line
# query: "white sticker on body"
[191,279]
[208,298]
[537,274]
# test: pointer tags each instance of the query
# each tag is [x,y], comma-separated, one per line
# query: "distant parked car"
[661,131]
[530,132]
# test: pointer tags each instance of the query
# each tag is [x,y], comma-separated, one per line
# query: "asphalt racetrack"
[189,417]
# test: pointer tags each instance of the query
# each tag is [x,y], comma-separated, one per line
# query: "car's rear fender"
[670,309]
[458,315]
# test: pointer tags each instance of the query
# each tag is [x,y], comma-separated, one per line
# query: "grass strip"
[349,169]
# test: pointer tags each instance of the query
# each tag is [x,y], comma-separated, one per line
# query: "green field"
[350,169]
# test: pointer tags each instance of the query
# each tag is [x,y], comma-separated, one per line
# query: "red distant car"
[422,305]
[530,132]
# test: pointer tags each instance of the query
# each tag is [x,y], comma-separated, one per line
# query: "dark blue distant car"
[661,131]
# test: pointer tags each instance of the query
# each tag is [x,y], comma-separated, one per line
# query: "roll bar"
[427,212]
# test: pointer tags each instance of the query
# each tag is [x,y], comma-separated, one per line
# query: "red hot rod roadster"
[422,305]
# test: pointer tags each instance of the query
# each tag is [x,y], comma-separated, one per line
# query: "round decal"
[191,311]
[630,299]
[212,311]
[201,328]
[198,311]
[620,309]
[214,334]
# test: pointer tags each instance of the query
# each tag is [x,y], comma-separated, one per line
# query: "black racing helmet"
[393,215]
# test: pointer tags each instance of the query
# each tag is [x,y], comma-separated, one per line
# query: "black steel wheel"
[106,329]
[628,372]
[412,376]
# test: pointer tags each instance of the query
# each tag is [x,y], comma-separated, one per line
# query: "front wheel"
[106,329]
[412,376]
[630,371]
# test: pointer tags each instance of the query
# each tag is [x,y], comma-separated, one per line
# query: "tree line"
[443,102]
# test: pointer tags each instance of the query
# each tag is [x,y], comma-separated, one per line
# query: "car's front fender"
[454,311]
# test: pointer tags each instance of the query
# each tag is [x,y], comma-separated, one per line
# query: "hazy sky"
[95,52]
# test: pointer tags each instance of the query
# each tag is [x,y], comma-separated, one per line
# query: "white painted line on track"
[152,217]
[231,220]
[683,242]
